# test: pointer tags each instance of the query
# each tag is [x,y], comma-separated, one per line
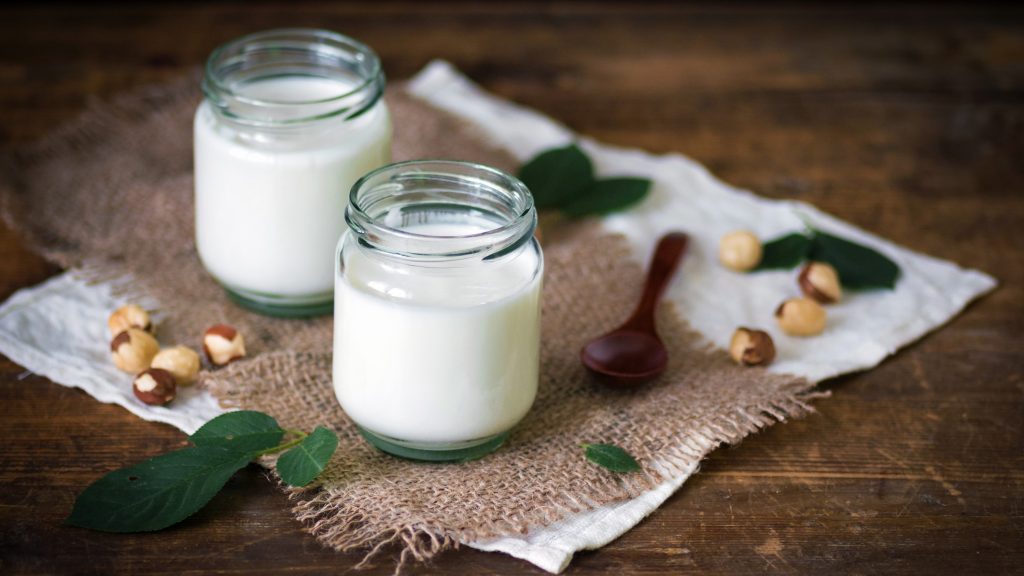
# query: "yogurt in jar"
[288,125]
[269,214]
[437,358]
[437,309]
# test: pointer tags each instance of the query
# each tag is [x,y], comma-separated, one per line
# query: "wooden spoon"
[633,353]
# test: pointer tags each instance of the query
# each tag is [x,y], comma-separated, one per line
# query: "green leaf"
[245,431]
[300,465]
[556,176]
[157,493]
[611,457]
[785,252]
[609,195]
[859,267]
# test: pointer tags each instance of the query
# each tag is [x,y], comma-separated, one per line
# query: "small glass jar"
[290,120]
[437,308]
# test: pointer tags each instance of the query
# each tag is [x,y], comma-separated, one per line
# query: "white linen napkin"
[58,328]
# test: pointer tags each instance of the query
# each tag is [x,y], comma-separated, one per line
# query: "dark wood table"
[906,121]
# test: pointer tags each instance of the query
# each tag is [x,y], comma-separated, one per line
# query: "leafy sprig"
[563,179]
[859,267]
[611,457]
[167,489]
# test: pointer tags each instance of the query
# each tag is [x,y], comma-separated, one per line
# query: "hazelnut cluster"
[742,251]
[134,349]
[806,316]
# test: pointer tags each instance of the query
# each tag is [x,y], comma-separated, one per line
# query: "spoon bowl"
[626,356]
[634,353]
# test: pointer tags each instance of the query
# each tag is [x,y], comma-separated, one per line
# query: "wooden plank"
[906,120]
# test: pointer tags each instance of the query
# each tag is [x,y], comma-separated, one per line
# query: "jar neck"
[285,78]
[439,211]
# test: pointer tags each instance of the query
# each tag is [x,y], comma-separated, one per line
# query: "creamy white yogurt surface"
[270,203]
[433,354]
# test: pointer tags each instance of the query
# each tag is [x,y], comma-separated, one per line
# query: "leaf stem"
[301,436]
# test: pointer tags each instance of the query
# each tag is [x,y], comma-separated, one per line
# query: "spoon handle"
[664,263]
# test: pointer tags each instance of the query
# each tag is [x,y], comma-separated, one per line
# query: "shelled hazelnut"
[740,250]
[181,361]
[751,347]
[132,350]
[820,281]
[801,317]
[223,344]
[154,386]
[129,316]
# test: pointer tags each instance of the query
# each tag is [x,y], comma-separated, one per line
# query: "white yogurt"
[270,203]
[437,355]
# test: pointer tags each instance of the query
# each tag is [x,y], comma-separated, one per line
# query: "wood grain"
[908,121]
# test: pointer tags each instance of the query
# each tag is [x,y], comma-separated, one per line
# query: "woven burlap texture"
[110,195]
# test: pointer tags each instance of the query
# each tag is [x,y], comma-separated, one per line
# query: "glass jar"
[437,308]
[290,120]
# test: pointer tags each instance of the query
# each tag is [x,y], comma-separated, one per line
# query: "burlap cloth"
[111,195]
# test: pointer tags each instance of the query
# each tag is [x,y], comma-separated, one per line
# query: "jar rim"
[363,94]
[520,215]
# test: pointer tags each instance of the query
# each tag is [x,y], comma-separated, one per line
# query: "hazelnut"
[740,250]
[181,361]
[154,387]
[820,281]
[129,316]
[801,317]
[751,347]
[133,350]
[223,344]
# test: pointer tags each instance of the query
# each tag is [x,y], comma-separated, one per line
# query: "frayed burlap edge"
[346,530]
